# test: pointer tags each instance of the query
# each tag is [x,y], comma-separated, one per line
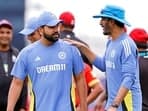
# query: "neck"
[45,42]
[116,33]
[66,28]
[141,49]
[4,48]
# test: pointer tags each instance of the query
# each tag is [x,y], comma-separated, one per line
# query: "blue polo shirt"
[50,69]
[122,69]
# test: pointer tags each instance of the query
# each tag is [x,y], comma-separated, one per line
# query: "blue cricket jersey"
[50,69]
[122,69]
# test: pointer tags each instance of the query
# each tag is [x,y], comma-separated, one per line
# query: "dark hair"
[68,26]
[6,25]
[141,45]
[119,24]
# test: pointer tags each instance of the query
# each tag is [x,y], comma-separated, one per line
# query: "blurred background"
[14,10]
[87,28]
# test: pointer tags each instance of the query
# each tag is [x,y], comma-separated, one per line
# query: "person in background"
[67,30]
[140,36]
[93,84]
[32,32]
[8,55]
[50,63]
[120,62]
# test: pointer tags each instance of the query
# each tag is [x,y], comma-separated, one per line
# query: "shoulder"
[127,42]
[14,50]
[69,47]
[65,44]
[129,46]
[29,48]
[67,34]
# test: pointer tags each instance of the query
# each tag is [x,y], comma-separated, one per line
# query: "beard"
[106,30]
[106,33]
[52,38]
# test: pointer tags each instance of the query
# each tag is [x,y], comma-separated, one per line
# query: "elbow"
[99,88]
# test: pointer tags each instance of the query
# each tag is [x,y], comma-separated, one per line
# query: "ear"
[40,30]
[112,21]
[60,27]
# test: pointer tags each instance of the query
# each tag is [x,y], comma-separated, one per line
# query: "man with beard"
[120,62]
[8,54]
[50,63]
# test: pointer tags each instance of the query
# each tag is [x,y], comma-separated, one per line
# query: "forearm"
[14,93]
[118,99]
[82,91]
[96,91]
[84,49]
[120,95]
[87,52]
[124,88]
[128,80]
[102,96]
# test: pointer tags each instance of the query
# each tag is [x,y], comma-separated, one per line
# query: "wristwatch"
[115,105]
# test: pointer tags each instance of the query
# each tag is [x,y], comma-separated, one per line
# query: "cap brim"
[120,20]
[26,31]
[6,25]
[54,22]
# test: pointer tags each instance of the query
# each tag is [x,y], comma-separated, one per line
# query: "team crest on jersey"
[62,55]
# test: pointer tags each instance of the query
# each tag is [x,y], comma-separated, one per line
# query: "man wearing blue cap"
[49,63]
[120,62]
[31,30]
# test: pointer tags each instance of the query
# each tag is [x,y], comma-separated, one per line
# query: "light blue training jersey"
[50,69]
[121,66]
